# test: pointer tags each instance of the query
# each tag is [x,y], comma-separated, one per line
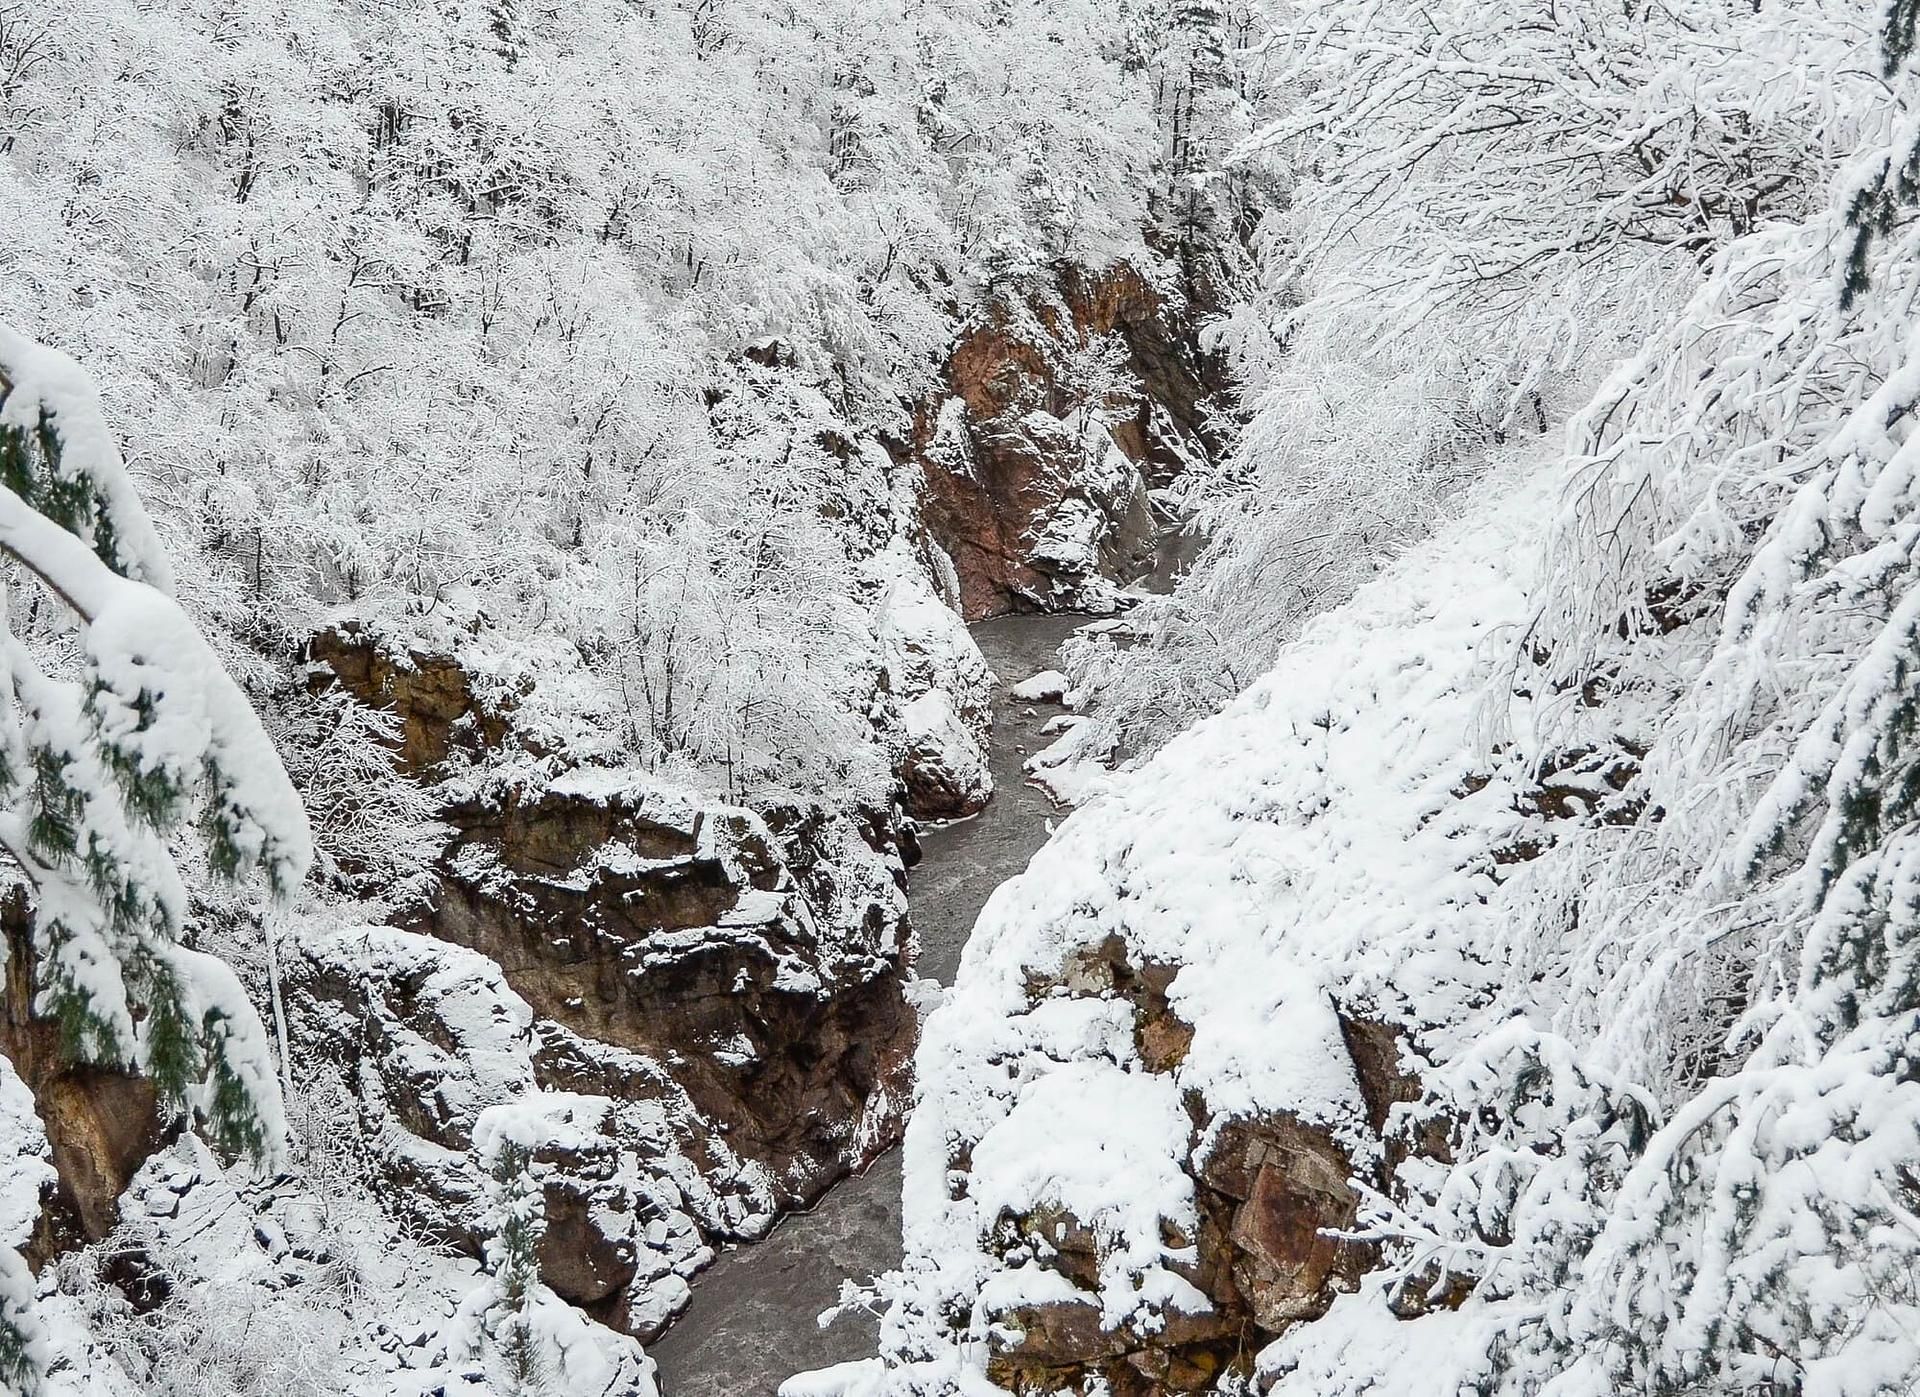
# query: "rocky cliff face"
[728,982]
[723,988]
[645,921]
[1251,1256]
[1068,404]
[422,1037]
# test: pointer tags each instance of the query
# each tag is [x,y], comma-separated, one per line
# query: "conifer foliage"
[117,738]
[520,1337]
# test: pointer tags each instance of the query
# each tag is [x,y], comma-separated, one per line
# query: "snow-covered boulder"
[1048,686]
[944,769]
[1073,768]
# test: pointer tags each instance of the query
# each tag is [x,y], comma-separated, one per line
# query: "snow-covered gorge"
[546,415]
[754,1315]
[1397,1029]
[690,1014]
[1175,1042]
[1512,988]
[1490,965]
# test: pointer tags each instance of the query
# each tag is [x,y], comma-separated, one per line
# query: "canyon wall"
[1069,403]
[726,987]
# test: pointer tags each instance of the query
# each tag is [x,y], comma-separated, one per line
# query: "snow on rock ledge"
[732,981]
[1175,1040]
[428,1039]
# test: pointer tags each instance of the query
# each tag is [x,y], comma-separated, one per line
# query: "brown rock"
[1059,1333]
[647,922]
[938,790]
[431,694]
[688,953]
[1278,1184]
[1374,1047]
[1163,1041]
[588,1255]
[101,1124]
[999,459]
[1269,1190]
[578,1260]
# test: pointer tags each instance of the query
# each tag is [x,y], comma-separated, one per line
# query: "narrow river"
[751,1323]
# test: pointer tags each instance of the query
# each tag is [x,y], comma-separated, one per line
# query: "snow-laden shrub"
[527,1341]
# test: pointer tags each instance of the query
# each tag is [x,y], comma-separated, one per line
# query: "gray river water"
[752,1320]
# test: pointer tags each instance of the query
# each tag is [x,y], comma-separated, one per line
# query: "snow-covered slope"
[1181,957]
[1513,990]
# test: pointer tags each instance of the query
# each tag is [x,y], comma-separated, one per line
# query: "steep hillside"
[1512,990]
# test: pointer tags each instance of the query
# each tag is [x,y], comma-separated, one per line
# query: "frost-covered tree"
[1482,203]
[1730,982]
[487,306]
[527,1340]
[1209,97]
[111,743]
[516,1221]
[373,827]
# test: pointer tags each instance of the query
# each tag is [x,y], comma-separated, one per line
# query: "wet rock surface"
[752,1321]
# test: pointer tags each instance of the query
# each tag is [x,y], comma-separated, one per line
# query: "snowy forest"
[959,698]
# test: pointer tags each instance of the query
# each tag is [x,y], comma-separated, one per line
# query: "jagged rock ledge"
[726,984]
[1269,1191]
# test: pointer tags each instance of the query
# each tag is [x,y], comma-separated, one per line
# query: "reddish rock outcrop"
[1036,510]
[653,924]
[1271,1192]
[1275,1186]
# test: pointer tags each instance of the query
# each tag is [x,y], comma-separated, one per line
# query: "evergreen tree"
[103,760]
[519,1221]
[511,1324]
